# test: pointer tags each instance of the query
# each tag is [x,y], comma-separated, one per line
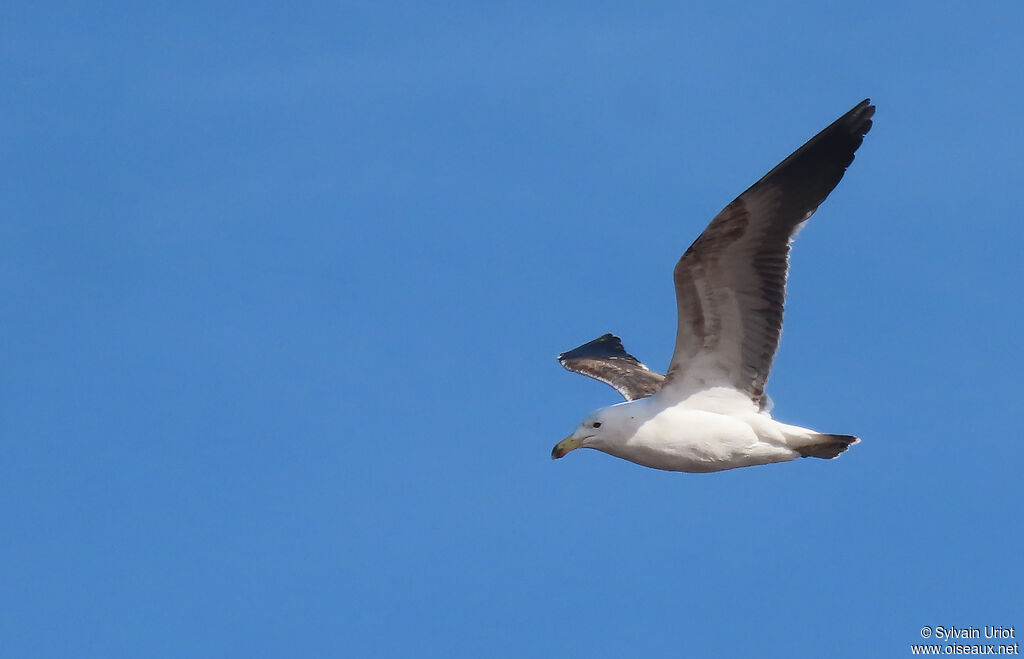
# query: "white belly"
[680,439]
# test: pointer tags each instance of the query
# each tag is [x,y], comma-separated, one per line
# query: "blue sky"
[283,288]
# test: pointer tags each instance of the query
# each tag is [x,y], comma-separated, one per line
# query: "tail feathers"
[827,446]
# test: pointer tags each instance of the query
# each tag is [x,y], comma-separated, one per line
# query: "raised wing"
[606,360]
[731,282]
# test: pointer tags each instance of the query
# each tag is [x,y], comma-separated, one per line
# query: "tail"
[827,447]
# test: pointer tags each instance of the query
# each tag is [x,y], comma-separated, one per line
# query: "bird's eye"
[597,424]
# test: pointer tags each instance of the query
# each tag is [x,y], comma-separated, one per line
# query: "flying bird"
[710,411]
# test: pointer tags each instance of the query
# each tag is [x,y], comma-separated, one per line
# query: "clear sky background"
[283,287]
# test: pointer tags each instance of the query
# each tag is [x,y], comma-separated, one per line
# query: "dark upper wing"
[606,360]
[731,282]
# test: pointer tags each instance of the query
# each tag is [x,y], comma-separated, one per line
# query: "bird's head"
[597,428]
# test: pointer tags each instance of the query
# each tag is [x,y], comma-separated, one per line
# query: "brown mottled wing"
[731,282]
[606,360]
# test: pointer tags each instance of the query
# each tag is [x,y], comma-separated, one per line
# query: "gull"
[709,412]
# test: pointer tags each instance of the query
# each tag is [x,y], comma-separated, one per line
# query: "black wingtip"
[606,345]
[858,119]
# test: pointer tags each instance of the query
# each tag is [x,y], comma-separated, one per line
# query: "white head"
[606,426]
